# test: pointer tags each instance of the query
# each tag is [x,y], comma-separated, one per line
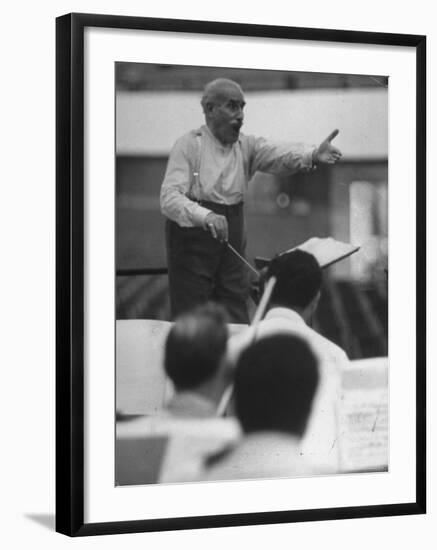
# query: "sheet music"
[327,250]
[363,420]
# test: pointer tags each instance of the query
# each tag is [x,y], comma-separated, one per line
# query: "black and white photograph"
[218,275]
[232,204]
[251,274]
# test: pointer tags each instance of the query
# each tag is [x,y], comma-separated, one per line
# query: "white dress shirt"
[261,455]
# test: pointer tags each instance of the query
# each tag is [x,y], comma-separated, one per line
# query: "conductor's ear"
[209,107]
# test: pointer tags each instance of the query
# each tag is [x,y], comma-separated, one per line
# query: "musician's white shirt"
[320,443]
[261,455]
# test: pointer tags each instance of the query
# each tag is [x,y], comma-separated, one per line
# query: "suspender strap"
[196,172]
[195,181]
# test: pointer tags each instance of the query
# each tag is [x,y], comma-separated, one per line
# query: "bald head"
[217,90]
[223,104]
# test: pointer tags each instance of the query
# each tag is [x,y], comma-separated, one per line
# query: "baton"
[242,258]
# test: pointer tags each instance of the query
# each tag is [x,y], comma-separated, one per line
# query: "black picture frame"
[70,273]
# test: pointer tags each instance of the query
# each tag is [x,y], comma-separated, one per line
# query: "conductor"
[202,197]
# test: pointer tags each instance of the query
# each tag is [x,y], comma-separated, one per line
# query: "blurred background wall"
[156,104]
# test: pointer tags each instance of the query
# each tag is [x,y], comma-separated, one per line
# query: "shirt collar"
[285,313]
[205,129]
[190,404]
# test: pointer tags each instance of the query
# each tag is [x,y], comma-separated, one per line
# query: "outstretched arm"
[288,158]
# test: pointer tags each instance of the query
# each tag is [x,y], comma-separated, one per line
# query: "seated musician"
[171,447]
[276,379]
[293,302]
[194,353]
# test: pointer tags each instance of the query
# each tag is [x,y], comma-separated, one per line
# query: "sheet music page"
[364,430]
[327,250]
[363,417]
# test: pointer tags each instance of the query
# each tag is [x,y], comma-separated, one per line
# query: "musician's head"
[275,382]
[298,282]
[195,349]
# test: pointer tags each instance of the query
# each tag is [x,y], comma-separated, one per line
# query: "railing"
[142,293]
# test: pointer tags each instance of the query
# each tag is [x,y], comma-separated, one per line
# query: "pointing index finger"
[332,135]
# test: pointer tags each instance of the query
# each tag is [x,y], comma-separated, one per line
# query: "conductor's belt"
[223,209]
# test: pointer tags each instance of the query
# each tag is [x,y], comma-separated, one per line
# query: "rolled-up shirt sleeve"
[279,157]
[175,204]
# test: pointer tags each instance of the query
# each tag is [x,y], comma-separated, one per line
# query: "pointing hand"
[326,153]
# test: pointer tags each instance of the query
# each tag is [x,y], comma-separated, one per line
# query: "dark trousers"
[200,268]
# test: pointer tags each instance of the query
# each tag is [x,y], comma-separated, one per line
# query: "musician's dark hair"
[298,279]
[195,346]
[275,382]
